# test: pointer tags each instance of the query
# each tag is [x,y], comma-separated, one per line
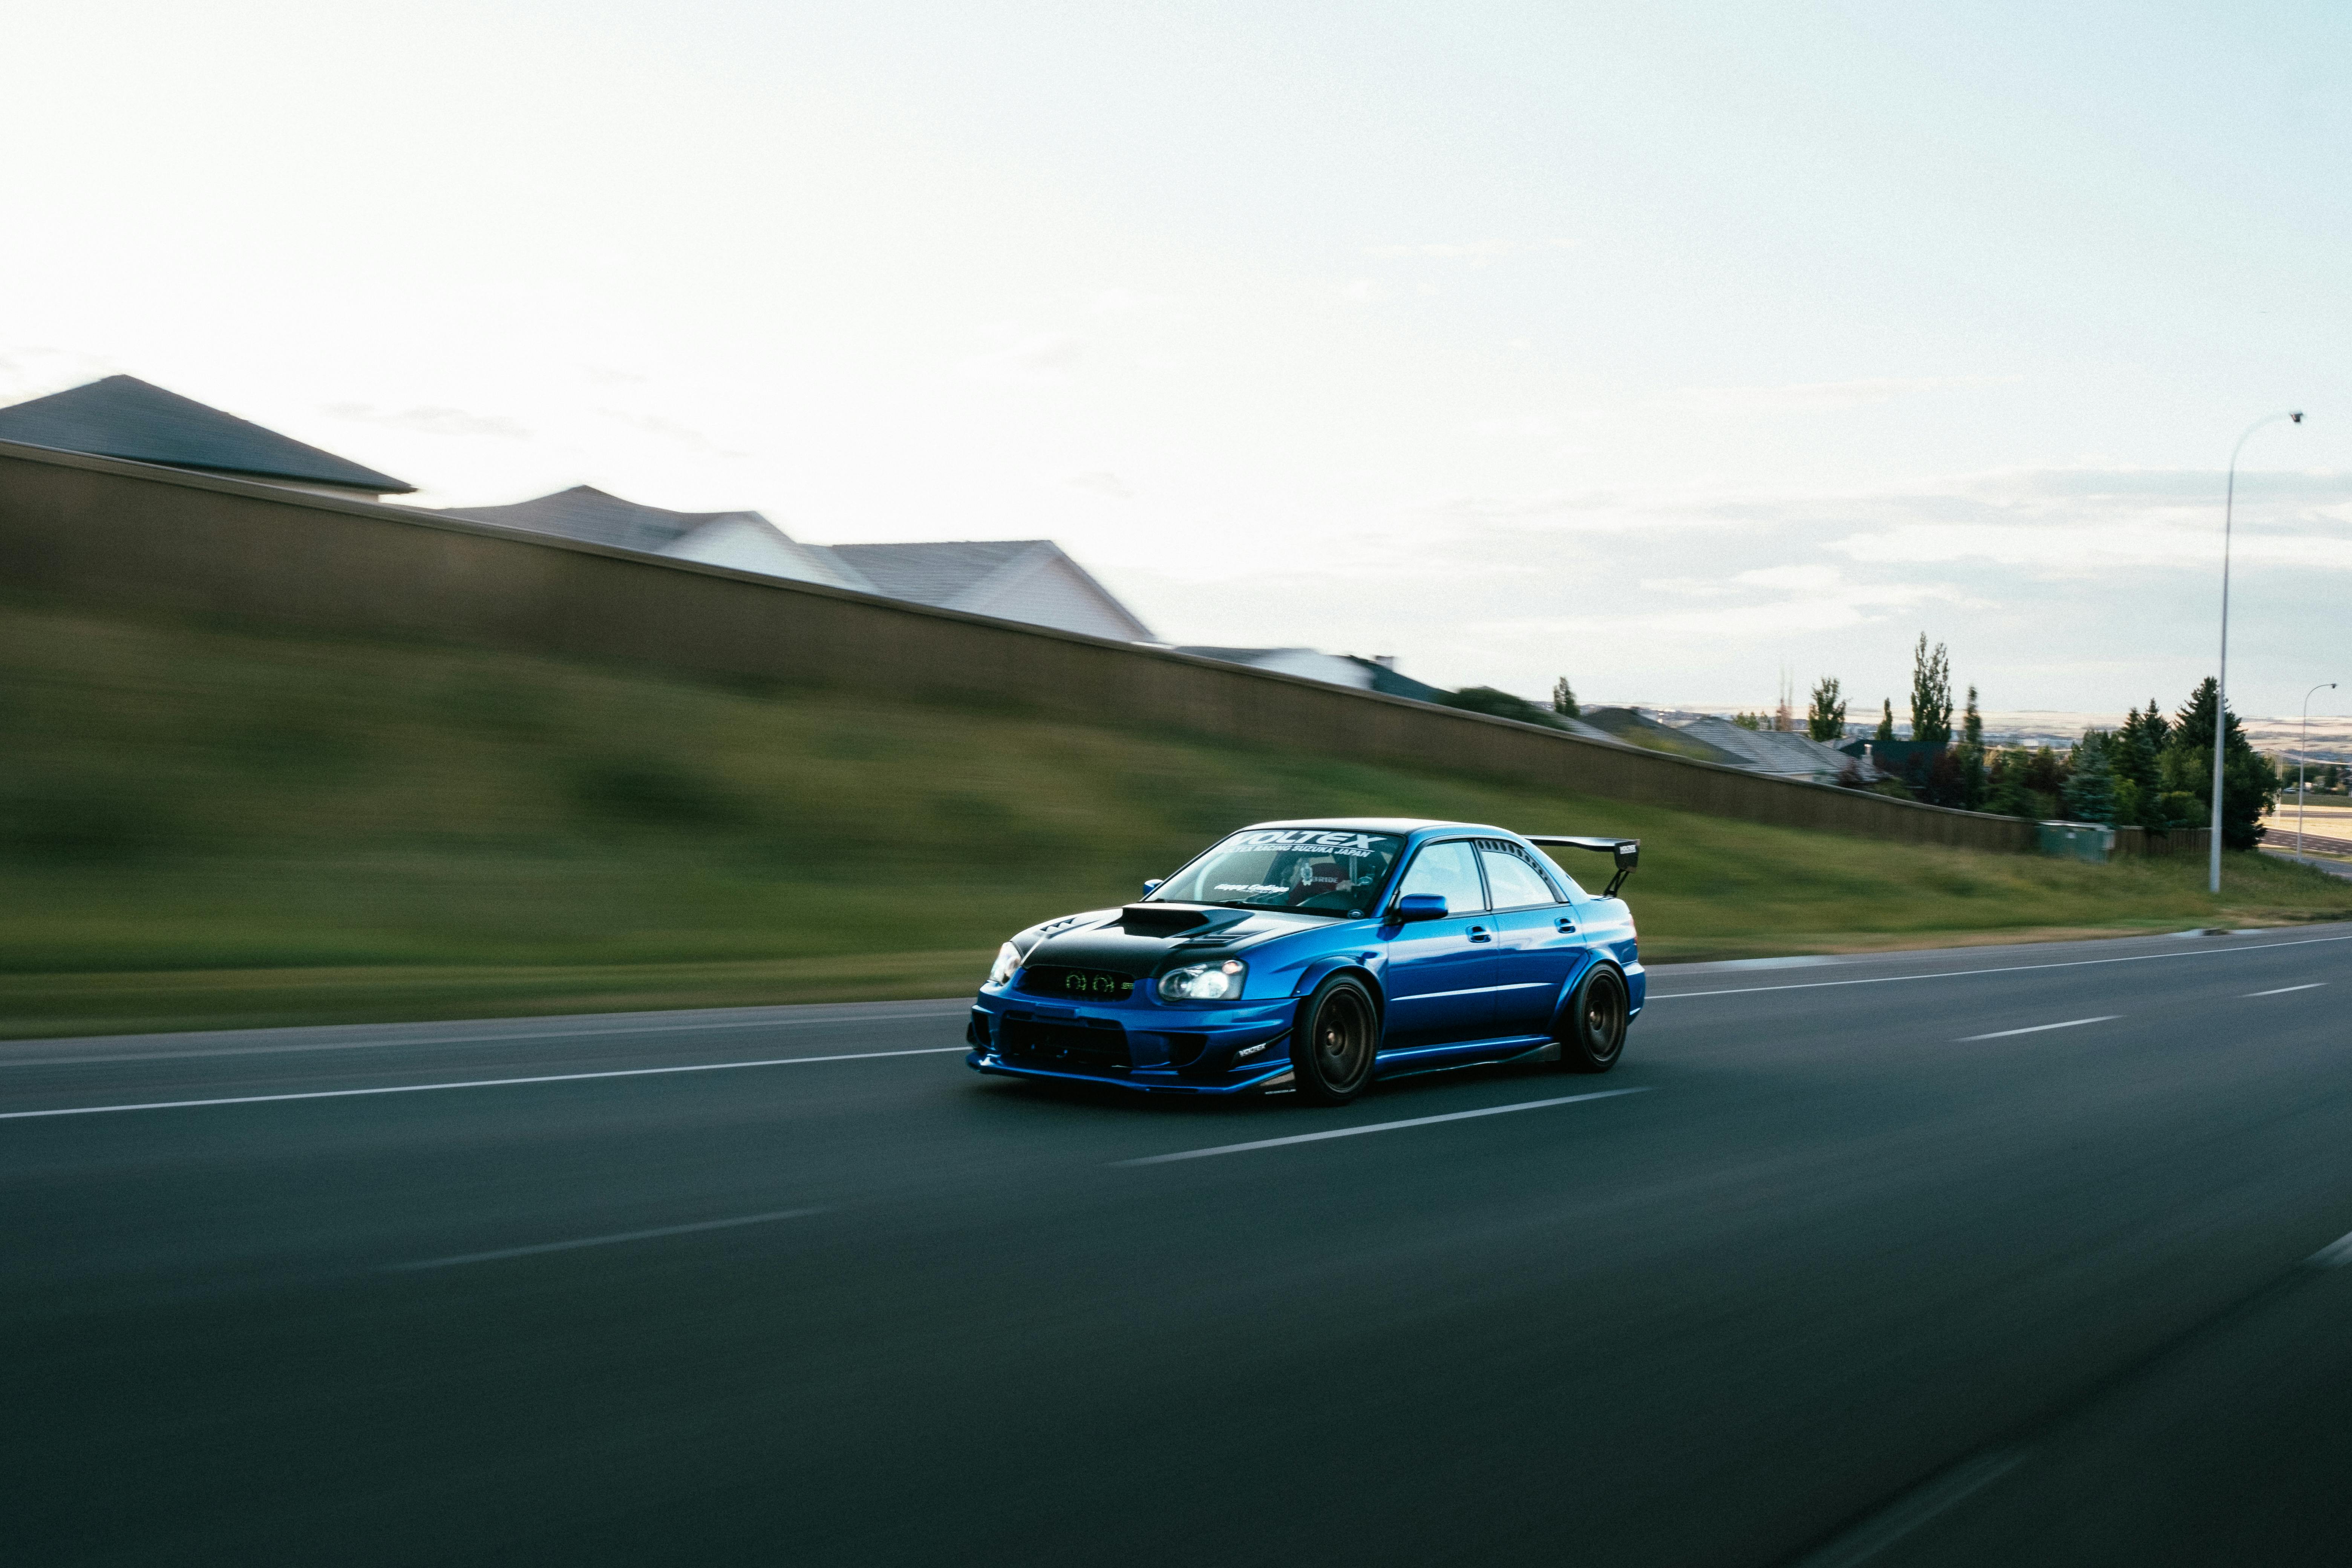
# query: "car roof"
[1401,825]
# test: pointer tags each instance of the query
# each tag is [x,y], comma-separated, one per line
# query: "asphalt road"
[1985,1256]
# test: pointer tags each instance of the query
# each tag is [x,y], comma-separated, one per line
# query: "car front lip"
[1146,1026]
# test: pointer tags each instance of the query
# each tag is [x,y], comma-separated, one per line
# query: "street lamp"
[2302,750]
[2222,681]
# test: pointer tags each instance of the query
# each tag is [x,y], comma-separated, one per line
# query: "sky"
[1669,348]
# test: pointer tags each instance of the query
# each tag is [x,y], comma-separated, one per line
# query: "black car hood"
[1137,940]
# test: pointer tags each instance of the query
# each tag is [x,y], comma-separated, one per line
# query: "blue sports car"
[1318,956]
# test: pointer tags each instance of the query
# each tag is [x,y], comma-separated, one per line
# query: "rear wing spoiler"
[1627,853]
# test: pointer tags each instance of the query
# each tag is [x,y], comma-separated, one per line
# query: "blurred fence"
[2133,843]
[108,533]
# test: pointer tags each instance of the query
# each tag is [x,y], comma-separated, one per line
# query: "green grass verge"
[205,826]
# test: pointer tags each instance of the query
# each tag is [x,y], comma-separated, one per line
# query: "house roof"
[987,578]
[1770,751]
[122,416]
[593,517]
[938,574]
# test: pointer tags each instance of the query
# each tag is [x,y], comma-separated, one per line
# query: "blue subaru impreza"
[1321,955]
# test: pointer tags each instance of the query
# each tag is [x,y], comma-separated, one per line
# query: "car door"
[1441,973]
[1537,944]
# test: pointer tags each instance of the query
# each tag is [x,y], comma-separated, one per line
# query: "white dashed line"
[1655,995]
[1375,1127]
[2037,1028]
[2334,1255]
[469,1083]
[615,1239]
[2282,990]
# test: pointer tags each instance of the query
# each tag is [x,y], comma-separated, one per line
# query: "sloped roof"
[122,416]
[986,577]
[937,574]
[593,517]
[596,517]
[1770,751]
[1638,729]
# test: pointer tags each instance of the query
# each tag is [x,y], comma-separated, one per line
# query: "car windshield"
[1318,871]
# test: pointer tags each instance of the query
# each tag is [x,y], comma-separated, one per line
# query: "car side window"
[1449,871]
[1516,883]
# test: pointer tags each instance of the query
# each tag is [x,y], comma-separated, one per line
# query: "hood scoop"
[1175,920]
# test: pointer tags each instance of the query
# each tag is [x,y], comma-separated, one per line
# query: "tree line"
[2153,771]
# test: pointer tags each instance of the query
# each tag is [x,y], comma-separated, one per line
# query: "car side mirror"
[1422,907]
[1151,884]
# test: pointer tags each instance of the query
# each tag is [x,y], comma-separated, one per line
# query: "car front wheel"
[1332,1048]
[1595,1035]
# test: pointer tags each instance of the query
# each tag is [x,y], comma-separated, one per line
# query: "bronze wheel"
[1595,1035]
[1333,1044]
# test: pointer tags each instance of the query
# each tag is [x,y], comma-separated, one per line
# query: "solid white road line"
[2037,1028]
[2282,990]
[2334,1255]
[2006,969]
[1377,1126]
[469,1083]
[598,1240]
[429,1040]
[1913,1509]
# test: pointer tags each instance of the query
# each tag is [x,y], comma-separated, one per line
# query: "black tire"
[1593,1035]
[1334,1042]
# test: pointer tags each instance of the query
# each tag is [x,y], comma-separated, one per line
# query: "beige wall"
[110,533]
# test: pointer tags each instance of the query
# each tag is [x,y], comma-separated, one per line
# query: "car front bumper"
[1136,1044]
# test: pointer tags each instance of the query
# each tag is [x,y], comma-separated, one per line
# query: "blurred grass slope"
[204,825]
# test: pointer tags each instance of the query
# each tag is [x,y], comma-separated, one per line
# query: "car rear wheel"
[1595,1035]
[1332,1048]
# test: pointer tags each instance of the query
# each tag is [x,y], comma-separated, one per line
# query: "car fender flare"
[1311,979]
[1575,987]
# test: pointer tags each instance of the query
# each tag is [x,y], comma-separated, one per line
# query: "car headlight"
[1205,982]
[1008,959]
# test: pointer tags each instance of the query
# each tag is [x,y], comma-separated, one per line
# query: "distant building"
[1029,580]
[1781,753]
[1378,674]
[123,416]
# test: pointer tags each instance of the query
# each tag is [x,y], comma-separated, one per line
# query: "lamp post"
[2222,680]
[2302,750]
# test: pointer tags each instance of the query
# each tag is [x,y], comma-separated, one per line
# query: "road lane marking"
[1908,1512]
[611,1240]
[469,1083]
[2334,1255]
[2282,990]
[1377,1126]
[2037,1028]
[1655,995]
[956,1011]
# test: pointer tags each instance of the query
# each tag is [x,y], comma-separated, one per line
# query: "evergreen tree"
[2090,790]
[1825,720]
[1886,722]
[2135,753]
[1755,722]
[1563,699]
[2249,784]
[1931,694]
[1975,786]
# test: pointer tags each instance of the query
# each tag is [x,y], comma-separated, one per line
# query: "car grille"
[1076,985]
[1067,1047]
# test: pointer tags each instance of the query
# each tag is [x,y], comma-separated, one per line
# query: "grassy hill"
[205,826]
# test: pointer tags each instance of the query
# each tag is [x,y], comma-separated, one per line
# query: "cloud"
[693,440]
[1477,252]
[1102,483]
[35,372]
[433,421]
[1808,397]
[1024,356]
